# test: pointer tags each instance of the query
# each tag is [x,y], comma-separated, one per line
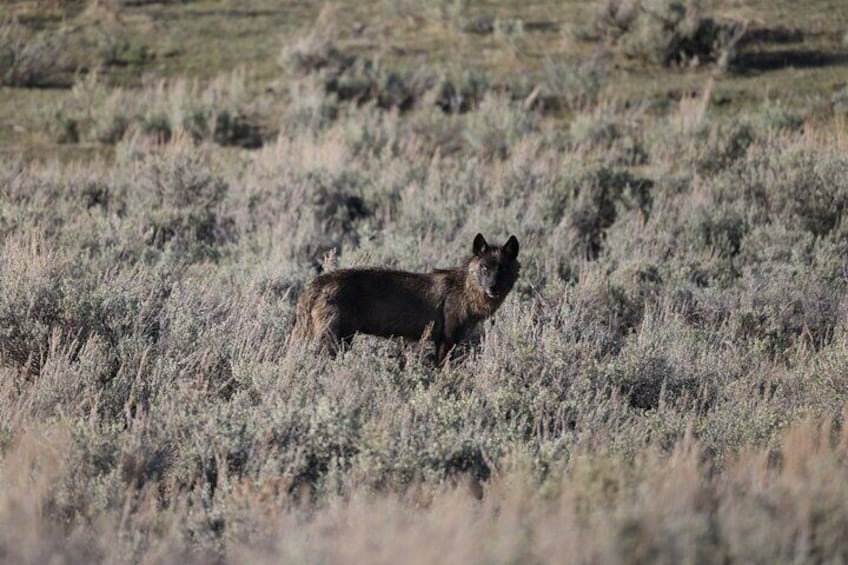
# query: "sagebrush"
[665,382]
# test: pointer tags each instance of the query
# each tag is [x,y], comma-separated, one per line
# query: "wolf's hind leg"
[328,320]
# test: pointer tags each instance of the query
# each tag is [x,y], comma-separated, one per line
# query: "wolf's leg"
[326,317]
[443,349]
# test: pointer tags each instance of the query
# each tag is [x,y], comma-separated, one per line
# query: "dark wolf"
[447,303]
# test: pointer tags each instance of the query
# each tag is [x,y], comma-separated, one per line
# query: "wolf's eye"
[484,268]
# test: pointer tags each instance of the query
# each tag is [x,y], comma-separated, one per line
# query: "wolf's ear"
[480,245]
[511,247]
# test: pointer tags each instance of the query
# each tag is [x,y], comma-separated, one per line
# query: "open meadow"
[666,383]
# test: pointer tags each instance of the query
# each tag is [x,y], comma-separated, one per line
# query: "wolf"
[444,304]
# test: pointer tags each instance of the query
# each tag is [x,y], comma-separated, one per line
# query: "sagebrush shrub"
[28,58]
[182,202]
[497,125]
[32,292]
[666,32]
[214,112]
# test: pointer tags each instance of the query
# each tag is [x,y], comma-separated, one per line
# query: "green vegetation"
[665,384]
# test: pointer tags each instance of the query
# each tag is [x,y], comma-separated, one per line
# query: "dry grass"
[766,505]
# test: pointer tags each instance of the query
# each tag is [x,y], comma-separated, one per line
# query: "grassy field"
[666,383]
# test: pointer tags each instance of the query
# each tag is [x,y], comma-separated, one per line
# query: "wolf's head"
[495,268]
